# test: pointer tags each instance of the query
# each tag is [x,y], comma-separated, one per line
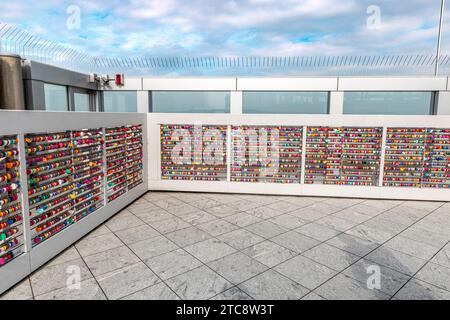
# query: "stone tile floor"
[174,245]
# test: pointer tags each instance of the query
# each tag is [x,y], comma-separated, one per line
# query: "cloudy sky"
[233,27]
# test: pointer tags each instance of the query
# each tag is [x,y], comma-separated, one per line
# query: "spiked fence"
[28,46]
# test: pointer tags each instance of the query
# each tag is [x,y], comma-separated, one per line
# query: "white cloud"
[160,38]
[302,49]
[145,9]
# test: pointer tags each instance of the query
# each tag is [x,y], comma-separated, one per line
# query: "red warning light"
[119,80]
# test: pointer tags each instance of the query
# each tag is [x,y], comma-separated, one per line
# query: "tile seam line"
[285,232]
[420,269]
[183,248]
[202,264]
[145,263]
[47,265]
[297,254]
[364,257]
[324,242]
[96,281]
[207,266]
[31,287]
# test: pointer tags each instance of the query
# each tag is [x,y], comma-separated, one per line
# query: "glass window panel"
[190,101]
[119,101]
[389,103]
[81,101]
[285,102]
[55,97]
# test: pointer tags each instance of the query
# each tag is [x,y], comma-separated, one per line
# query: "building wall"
[335,85]
[36,74]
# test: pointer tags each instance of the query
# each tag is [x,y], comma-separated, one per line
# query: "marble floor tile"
[312,296]
[232,294]
[90,246]
[305,271]
[237,267]
[217,227]
[342,287]
[110,260]
[169,225]
[271,285]
[370,234]
[21,291]
[69,254]
[264,212]
[352,244]
[242,219]
[436,275]
[158,291]
[288,222]
[419,290]
[173,263]
[123,220]
[168,202]
[331,257]
[266,229]
[443,257]
[317,231]
[210,250]
[200,283]
[269,253]
[123,282]
[240,239]
[396,260]
[188,236]
[87,290]
[412,247]
[53,277]
[198,217]
[221,211]
[152,247]
[136,234]
[295,241]
[390,280]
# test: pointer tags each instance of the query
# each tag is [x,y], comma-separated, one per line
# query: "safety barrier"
[62,175]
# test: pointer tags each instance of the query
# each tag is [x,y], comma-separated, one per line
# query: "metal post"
[229,150]
[24,193]
[438,51]
[382,158]
[303,155]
